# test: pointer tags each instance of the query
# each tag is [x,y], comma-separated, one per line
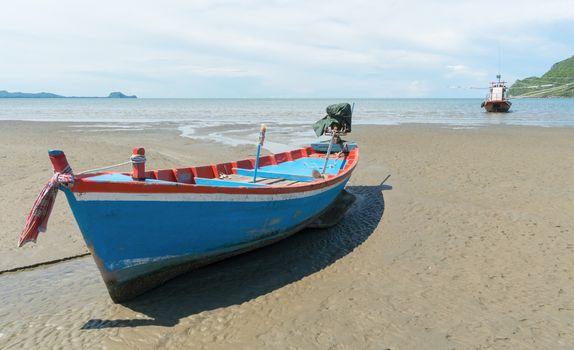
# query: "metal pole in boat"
[334,133]
[259,144]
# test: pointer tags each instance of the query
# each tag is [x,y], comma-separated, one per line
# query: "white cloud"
[278,43]
[457,68]
[460,70]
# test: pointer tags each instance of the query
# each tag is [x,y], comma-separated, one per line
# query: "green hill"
[557,82]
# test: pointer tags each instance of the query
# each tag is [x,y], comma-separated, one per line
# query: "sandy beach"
[468,244]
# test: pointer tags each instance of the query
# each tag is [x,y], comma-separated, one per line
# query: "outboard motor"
[338,119]
[336,123]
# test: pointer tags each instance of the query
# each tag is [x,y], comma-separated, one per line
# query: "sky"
[279,49]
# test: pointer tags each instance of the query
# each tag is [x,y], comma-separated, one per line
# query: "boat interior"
[277,170]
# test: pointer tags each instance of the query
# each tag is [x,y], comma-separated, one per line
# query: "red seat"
[296,154]
[267,160]
[246,164]
[225,168]
[166,175]
[204,172]
[283,157]
[184,175]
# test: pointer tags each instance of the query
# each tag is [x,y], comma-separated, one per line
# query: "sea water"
[236,121]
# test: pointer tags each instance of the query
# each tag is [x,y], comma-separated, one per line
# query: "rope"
[50,262]
[104,168]
[135,159]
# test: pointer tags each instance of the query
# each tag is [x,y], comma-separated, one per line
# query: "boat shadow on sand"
[251,275]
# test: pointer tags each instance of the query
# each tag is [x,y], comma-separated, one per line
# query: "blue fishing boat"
[145,227]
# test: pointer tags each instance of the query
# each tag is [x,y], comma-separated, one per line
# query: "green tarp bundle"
[339,113]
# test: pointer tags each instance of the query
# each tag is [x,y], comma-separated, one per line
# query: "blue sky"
[278,48]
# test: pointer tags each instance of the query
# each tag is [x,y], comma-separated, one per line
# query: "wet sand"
[468,244]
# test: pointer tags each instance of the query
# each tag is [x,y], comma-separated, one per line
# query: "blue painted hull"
[140,243]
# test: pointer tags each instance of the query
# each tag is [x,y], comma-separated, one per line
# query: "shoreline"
[287,114]
[310,122]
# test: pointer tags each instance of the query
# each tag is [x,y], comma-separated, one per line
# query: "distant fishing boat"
[496,100]
[146,227]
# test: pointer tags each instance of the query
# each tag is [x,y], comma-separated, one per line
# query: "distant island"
[557,82]
[118,94]
[6,94]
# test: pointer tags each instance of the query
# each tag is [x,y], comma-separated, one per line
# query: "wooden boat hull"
[141,236]
[497,106]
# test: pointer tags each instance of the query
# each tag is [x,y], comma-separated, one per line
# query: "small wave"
[279,137]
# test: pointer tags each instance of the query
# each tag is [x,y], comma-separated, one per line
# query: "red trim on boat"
[188,186]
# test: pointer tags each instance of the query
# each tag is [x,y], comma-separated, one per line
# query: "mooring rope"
[49,262]
[134,159]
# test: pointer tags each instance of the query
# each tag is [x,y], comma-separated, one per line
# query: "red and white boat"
[496,100]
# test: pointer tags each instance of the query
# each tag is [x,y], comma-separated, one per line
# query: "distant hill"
[557,82]
[6,94]
[118,94]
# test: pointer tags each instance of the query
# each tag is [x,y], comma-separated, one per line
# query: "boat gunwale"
[83,185]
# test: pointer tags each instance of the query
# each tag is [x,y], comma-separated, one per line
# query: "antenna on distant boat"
[499,60]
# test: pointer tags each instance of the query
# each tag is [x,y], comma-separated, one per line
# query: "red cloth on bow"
[37,220]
